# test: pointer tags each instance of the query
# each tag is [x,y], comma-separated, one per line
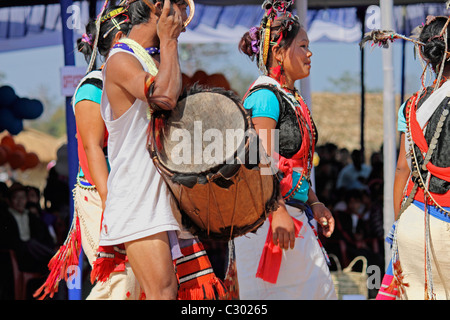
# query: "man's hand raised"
[170,23]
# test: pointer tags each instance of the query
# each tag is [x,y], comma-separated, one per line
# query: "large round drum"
[210,156]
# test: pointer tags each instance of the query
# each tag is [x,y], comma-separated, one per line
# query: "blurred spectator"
[34,206]
[351,227]
[25,233]
[355,174]
[56,197]
[326,173]
[343,158]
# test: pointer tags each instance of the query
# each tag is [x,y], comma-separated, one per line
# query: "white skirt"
[120,285]
[304,274]
[411,253]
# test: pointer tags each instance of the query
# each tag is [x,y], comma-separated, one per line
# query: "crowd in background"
[35,223]
[353,190]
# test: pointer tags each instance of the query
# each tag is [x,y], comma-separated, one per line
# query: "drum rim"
[154,153]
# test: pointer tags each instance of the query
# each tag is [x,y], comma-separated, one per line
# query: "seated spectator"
[25,233]
[34,206]
[355,174]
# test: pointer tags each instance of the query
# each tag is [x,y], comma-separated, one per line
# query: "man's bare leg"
[151,261]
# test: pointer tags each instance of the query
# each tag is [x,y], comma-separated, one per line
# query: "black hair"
[139,11]
[285,25]
[14,188]
[104,43]
[434,48]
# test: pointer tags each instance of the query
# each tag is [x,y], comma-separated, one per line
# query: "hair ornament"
[87,38]
[97,27]
[273,9]
[384,37]
[254,31]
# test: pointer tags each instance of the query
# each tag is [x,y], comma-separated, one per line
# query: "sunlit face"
[297,58]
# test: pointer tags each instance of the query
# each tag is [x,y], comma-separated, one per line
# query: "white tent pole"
[389,121]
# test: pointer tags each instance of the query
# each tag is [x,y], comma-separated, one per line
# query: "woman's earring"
[282,77]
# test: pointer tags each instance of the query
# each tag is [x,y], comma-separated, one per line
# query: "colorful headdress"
[97,27]
[101,18]
[384,37]
[273,9]
[112,15]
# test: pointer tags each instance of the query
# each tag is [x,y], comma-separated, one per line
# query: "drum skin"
[219,200]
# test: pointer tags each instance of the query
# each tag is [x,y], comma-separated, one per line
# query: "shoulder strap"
[95,82]
[270,87]
[94,77]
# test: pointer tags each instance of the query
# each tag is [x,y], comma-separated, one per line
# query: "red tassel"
[270,261]
[67,255]
[155,127]
[398,279]
[159,125]
[213,289]
[101,270]
[275,72]
[110,259]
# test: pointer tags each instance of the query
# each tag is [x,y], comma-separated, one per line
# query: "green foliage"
[54,126]
[345,83]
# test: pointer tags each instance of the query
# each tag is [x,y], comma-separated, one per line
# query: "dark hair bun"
[434,51]
[84,46]
[245,45]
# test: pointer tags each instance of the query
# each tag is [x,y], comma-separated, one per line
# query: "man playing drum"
[140,215]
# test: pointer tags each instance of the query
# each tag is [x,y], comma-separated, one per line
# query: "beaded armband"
[149,87]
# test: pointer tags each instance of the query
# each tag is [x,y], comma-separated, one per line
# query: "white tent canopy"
[23,27]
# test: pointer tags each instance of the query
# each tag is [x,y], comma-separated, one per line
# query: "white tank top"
[139,202]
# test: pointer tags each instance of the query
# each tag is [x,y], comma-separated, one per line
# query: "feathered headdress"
[94,46]
[384,37]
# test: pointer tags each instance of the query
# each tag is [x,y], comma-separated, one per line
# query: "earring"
[282,76]
[276,72]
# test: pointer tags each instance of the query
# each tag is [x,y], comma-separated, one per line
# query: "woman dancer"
[420,266]
[90,189]
[266,268]
[423,264]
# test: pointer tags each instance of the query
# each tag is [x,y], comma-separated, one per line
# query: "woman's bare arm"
[402,173]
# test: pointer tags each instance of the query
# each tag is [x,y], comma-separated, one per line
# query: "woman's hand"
[283,229]
[324,217]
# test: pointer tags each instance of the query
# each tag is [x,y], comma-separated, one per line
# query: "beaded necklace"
[305,123]
[410,132]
